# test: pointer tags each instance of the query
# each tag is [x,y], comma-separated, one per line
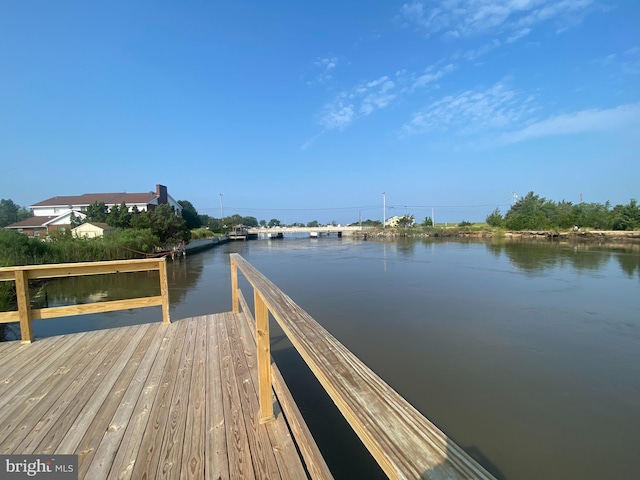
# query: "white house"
[90,230]
[44,225]
[79,203]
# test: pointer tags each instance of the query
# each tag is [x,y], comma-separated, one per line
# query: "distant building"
[44,225]
[55,213]
[80,203]
[90,230]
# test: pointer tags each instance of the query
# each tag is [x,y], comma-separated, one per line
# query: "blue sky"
[311,110]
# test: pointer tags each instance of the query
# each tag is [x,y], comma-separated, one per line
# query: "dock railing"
[405,444]
[25,314]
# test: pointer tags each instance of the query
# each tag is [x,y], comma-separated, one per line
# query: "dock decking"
[147,401]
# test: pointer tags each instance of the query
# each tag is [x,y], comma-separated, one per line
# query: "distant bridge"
[339,230]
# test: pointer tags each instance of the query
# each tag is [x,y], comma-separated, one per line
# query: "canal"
[526,354]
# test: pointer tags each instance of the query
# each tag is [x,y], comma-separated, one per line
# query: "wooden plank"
[216,458]
[173,438]
[85,268]
[65,436]
[56,422]
[146,465]
[100,409]
[285,450]
[238,450]
[25,396]
[193,450]
[24,306]
[264,359]
[164,292]
[98,307]
[313,459]
[405,444]
[262,454]
[114,451]
[35,417]
[21,365]
[9,317]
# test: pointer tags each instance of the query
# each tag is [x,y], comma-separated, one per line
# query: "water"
[526,354]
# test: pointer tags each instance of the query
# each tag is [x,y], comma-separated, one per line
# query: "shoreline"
[632,236]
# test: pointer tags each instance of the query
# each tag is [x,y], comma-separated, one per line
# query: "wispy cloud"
[359,101]
[472,111]
[323,69]
[514,18]
[585,121]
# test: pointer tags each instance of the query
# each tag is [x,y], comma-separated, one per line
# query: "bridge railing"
[25,314]
[404,443]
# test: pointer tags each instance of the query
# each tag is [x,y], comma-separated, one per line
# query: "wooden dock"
[148,401]
[199,398]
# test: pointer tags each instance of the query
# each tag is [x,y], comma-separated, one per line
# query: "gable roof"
[89,198]
[32,222]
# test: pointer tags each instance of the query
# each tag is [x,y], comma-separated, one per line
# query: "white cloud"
[431,75]
[585,121]
[323,67]
[514,18]
[362,100]
[337,115]
[471,111]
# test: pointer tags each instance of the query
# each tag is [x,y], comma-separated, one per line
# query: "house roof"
[32,222]
[101,225]
[89,198]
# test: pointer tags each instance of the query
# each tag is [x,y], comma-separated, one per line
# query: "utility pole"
[221,210]
[433,218]
[384,210]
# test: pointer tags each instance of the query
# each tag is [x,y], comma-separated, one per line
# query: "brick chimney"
[161,192]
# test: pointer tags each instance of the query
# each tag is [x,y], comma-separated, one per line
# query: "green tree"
[97,212]
[190,214]
[167,226]
[494,219]
[406,221]
[428,222]
[274,222]
[250,221]
[312,223]
[531,212]
[8,212]
[627,217]
[263,223]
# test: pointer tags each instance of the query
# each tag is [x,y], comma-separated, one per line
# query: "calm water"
[526,354]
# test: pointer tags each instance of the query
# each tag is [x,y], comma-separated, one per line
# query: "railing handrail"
[404,443]
[21,274]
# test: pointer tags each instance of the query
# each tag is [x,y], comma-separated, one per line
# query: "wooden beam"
[234,286]
[164,291]
[98,307]
[264,359]
[24,305]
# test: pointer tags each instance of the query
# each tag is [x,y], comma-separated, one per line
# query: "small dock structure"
[200,397]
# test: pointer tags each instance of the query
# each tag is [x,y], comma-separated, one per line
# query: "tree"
[263,223]
[167,226]
[8,212]
[627,217]
[495,219]
[274,222]
[530,213]
[406,221]
[250,221]
[312,223]
[97,212]
[190,214]
[428,222]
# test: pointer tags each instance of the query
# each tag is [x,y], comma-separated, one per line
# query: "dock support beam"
[264,359]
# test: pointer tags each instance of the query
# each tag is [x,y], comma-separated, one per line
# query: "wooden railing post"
[234,286]
[264,358]
[164,290]
[24,305]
